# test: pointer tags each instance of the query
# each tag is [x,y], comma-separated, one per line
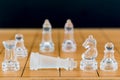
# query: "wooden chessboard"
[32,39]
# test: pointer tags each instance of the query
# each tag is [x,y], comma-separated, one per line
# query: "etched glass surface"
[39,61]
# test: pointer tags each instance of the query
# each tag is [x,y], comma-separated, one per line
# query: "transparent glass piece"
[108,63]
[47,44]
[10,62]
[88,62]
[39,61]
[69,44]
[20,48]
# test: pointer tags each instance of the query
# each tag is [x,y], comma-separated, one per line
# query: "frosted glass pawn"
[88,62]
[109,63]
[39,61]
[47,44]
[20,48]
[69,44]
[10,62]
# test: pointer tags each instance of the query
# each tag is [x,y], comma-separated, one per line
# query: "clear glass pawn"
[20,48]
[109,63]
[47,44]
[10,62]
[69,44]
[88,62]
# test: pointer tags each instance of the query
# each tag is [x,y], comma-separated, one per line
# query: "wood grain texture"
[32,39]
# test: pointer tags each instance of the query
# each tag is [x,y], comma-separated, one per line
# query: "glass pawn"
[69,44]
[10,62]
[47,44]
[109,63]
[88,62]
[20,48]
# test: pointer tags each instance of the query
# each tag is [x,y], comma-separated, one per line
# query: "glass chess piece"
[47,44]
[88,62]
[69,44]
[10,62]
[20,49]
[108,63]
[39,61]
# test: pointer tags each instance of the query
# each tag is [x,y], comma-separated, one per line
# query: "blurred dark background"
[83,13]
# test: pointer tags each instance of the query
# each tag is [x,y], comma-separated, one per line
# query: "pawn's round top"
[109,46]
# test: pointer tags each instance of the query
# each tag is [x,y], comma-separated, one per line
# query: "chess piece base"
[88,65]
[108,65]
[10,66]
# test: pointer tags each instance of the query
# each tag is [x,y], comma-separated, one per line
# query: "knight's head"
[89,42]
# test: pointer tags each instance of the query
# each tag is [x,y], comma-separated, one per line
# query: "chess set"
[16,48]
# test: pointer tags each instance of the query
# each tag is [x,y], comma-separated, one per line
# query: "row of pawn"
[15,48]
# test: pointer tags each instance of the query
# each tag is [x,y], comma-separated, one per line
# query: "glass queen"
[20,47]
